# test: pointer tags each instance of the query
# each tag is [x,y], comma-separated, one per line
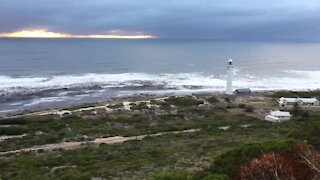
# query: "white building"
[64,113]
[300,101]
[278,116]
[229,78]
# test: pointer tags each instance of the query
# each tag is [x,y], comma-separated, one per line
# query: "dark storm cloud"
[225,19]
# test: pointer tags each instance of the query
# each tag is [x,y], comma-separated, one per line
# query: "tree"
[302,163]
[296,110]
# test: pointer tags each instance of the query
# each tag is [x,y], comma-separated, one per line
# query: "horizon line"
[43,33]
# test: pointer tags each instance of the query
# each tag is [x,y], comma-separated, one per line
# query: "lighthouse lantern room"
[229,77]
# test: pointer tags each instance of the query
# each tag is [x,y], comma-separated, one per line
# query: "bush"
[230,106]
[185,176]
[228,162]
[212,100]
[242,106]
[172,176]
[14,121]
[292,94]
[167,117]
[298,164]
[40,151]
[296,110]
[115,106]
[228,100]
[309,131]
[249,109]
[209,176]
[12,131]
[139,106]
[305,115]
[163,105]
[183,101]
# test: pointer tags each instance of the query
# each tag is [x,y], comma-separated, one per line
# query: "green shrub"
[185,176]
[129,119]
[115,106]
[213,100]
[166,117]
[209,176]
[296,110]
[183,101]
[163,105]
[301,94]
[230,106]
[309,131]
[172,176]
[249,109]
[14,121]
[139,106]
[228,162]
[12,130]
[228,100]
[242,106]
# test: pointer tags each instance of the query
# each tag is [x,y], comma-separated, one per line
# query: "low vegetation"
[183,101]
[294,94]
[115,106]
[213,100]
[211,153]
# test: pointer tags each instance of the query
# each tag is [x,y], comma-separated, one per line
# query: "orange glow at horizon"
[42,33]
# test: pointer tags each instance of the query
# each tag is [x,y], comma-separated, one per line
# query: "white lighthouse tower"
[229,78]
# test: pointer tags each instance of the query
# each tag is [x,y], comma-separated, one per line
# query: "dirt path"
[109,140]
[2,138]
[205,102]
[55,112]
[41,113]
[89,108]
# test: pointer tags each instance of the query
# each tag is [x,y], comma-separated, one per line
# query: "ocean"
[38,74]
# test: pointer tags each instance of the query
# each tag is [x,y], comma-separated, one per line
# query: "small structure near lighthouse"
[229,78]
[243,92]
[233,95]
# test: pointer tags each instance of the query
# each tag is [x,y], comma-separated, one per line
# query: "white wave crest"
[286,80]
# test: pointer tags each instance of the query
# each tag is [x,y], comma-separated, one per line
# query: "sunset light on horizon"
[43,33]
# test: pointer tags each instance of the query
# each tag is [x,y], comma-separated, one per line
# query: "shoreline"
[195,130]
[138,97]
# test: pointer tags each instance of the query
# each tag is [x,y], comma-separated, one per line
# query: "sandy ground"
[252,100]
[2,138]
[98,141]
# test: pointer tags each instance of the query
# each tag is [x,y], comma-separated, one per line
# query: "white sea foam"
[289,80]
[46,100]
[28,92]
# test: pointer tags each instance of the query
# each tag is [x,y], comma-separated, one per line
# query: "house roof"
[280,113]
[272,117]
[244,90]
[295,100]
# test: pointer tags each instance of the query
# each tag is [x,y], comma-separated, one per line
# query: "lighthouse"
[229,78]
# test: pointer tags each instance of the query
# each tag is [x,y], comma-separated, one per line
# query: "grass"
[213,100]
[115,106]
[139,106]
[195,155]
[183,101]
[163,105]
[293,94]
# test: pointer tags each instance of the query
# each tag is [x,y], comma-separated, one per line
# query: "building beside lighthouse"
[229,77]
[229,88]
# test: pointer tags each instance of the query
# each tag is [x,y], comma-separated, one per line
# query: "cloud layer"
[220,19]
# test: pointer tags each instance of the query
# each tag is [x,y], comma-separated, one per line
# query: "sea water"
[46,73]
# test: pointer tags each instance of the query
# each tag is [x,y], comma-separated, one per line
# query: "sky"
[187,19]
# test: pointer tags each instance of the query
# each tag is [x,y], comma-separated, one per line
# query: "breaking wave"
[30,91]
[289,79]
